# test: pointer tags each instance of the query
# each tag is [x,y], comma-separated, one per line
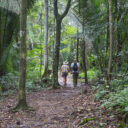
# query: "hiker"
[64,71]
[75,71]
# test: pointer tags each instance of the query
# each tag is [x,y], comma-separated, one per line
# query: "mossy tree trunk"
[84,60]
[56,55]
[22,104]
[58,19]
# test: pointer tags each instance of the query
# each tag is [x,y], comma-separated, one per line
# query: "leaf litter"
[60,108]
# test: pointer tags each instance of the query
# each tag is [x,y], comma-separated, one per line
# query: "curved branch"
[66,10]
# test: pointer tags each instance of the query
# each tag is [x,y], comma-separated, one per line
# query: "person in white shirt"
[75,71]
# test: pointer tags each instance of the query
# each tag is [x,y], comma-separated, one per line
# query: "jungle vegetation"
[36,38]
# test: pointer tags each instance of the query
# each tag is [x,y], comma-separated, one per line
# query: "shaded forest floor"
[61,108]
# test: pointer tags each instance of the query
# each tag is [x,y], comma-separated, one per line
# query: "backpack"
[65,68]
[75,67]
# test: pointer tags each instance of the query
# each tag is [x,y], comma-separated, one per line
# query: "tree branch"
[55,8]
[66,10]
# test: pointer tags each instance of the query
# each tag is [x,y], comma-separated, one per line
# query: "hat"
[65,62]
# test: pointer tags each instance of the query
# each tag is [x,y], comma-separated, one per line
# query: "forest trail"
[61,108]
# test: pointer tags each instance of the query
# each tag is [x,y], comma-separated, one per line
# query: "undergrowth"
[114,96]
[10,82]
[92,75]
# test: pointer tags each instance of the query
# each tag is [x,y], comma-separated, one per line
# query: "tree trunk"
[111,42]
[84,60]
[22,104]
[41,54]
[56,55]
[59,19]
[1,69]
[46,39]
[118,35]
[0,38]
[77,50]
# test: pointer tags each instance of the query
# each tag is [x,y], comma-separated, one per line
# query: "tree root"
[20,108]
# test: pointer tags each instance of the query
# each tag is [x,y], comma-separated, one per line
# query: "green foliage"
[70,30]
[118,101]
[119,83]
[31,86]
[93,74]
[122,125]
[33,64]
[81,75]
[8,84]
[92,60]
[114,96]
[100,94]
[10,81]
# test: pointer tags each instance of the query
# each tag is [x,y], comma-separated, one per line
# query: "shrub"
[118,101]
[9,81]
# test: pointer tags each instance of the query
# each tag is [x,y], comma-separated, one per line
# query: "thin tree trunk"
[41,55]
[22,104]
[77,50]
[107,32]
[0,40]
[111,42]
[46,39]
[118,36]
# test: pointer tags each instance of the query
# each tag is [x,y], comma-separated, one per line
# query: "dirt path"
[61,108]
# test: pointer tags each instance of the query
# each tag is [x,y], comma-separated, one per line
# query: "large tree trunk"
[111,42]
[56,55]
[59,19]
[22,104]
[46,39]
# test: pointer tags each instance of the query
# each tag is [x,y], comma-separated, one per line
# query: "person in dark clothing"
[75,71]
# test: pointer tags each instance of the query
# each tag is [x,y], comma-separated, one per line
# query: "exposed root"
[21,107]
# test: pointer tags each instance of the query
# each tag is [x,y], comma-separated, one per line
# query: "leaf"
[85,120]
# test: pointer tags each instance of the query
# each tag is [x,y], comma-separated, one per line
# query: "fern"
[118,101]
